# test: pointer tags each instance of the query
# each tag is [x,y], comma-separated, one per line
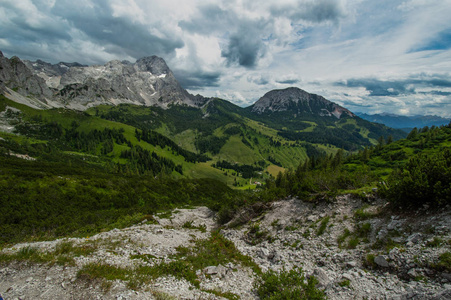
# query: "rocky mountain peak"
[298,101]
[16,76]
[153,64]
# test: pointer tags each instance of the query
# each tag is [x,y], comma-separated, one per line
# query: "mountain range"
[278,131]
[148,81]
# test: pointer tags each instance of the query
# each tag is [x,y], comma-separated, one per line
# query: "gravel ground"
[291,236]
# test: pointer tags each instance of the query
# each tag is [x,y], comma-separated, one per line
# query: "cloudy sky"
[370,56]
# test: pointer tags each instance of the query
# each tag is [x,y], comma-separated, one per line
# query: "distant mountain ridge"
[405,122]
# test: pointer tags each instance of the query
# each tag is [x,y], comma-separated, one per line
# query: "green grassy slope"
[219,131]
[254,139]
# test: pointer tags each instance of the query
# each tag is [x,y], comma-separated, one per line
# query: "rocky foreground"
[353,247]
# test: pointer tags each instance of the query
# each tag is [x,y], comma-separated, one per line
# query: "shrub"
[363,230]
[435,242]
[362,214]
[353,242]
[189,225]
[323,226]
[287,285]
[344,283]
[256,236]
[425,179]
[444,262]
[369,260]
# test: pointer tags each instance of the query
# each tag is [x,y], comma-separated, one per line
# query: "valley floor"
[353,250]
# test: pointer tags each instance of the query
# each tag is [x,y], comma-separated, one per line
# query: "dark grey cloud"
[442,41]
[378,87]
[351,104]
[438,93]
[445,82]
[31,28]
[314,11]
[119,35]
[197,79]
[437,105]
[210,18]
[24,32]
[288,81]
[381,88]
[259,80]
[63,27]
[245,47]
[247,38]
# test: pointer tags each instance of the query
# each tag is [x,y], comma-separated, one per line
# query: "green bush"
[425,179]
[444,262]
[287,285]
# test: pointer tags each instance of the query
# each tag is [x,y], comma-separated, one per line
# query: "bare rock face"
[15,75]
[298,101]
[148,82]
[50,73]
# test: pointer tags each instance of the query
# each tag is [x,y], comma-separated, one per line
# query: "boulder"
[412,273]
[312,218]
[381,261]
[446,294]
[211,270]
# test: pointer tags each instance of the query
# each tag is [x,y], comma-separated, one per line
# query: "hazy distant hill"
[405,122]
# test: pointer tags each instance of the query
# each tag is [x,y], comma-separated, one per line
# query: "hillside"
[50,147]
[298,115]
